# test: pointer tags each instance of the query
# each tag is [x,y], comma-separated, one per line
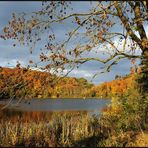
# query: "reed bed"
[63,129]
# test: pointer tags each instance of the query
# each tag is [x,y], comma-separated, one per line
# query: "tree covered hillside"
[24,83]
[120,87]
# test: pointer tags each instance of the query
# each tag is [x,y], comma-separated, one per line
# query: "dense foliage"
[118,87]
[128,113]
[24,83]
[123,123]
[63,129]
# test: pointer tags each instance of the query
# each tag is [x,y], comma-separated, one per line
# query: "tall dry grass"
[62,129]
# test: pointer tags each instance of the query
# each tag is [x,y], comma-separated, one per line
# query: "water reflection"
[36,116]
[53,110]
[58,104]
[42,128]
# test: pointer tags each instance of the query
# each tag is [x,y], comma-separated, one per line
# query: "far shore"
[17,99]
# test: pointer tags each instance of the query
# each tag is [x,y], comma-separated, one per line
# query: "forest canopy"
[27,84]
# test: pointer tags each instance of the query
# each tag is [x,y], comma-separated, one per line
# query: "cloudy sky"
[9,55]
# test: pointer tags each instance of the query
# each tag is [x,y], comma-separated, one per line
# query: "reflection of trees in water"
[35,116]
[14,115]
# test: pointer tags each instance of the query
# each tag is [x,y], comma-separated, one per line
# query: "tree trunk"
[143,80]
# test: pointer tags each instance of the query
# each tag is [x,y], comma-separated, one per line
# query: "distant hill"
[119,87]
[24,83]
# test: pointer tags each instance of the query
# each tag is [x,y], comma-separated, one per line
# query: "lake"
[58,121]
[47,107]
[58,104]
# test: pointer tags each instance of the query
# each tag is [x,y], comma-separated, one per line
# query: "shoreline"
[55,98]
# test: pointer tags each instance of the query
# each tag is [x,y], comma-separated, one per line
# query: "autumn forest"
[56,64]
[27,84]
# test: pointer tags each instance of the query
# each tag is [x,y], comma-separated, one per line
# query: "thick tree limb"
[126,24]
[139,23]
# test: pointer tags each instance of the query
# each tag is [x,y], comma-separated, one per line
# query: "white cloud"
[11,62]
[81,73]
[21,54]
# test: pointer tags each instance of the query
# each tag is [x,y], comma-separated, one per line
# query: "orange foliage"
[116,87]
[24,83]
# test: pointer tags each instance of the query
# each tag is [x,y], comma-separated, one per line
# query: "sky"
[9,55]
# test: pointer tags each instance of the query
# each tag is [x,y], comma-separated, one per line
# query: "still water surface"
[47,107]
[58,104]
